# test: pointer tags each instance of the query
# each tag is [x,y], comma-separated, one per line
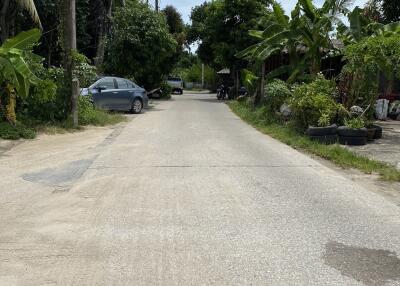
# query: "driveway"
[187,194]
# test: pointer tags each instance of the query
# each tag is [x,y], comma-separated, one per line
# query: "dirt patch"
[386,149]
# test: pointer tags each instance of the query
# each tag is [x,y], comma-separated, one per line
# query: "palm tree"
[8,10]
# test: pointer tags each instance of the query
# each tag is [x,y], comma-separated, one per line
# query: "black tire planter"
[325,139]
[352,136]
[371,133]
[353,141]
[378,131]
[352,132]
[322,131]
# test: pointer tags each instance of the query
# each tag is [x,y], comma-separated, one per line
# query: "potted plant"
[353,133]
[371,129]
[378,131]
[325,132]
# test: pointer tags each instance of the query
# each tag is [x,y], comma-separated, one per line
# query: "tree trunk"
[11,103]
[104,30]
[389,88]
[157,5]
[69,47]
[261,94]
[4,28]
[49,51]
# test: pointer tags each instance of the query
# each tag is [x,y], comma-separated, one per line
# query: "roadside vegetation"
[312,79]
[38,60]
[263,121]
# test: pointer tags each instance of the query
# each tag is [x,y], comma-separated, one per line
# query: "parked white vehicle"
[176,83]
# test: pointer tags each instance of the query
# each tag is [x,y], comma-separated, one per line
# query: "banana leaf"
[23,40]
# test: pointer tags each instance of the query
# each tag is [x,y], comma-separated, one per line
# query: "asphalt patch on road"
[112,137]
[62,176]
[372,267]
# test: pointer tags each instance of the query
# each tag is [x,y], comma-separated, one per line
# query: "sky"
[185,6]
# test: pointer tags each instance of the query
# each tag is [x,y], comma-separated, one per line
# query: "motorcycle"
[221,92]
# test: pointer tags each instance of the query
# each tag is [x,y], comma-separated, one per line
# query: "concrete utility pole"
[69,48]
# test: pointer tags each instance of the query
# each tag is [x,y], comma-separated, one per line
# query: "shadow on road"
[371,266]
[211,99]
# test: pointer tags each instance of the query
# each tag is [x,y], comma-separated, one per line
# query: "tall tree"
[140,45]
[221,29]
[8,10]
[391,10]
[177,29]
[174,19]
[383,11]
[102,12]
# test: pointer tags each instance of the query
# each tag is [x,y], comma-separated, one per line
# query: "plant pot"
[325,139]
[371,133]
[352,132]
[378,131]
[352,136]
[322,131]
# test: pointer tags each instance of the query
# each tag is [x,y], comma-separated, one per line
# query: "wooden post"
[74,103]
[260,95]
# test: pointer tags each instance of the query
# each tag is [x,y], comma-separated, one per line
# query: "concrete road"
[187,194]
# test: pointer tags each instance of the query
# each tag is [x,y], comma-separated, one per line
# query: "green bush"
[89,115]
[85,72]
[47,100]
[9,132]
[276,93]
[366,61]
[355,123]
[44,103]
[314,103]
[194,73]
[166,90]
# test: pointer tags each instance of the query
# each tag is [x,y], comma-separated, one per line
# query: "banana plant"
[15,73]
[308,28]
[361,27]
[281,34]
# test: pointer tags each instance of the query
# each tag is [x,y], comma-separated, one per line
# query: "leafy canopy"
[220,27]
[140,45]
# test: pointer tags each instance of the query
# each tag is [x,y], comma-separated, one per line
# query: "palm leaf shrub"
[16,77]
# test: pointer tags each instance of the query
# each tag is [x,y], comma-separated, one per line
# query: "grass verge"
[27,128]
[335,153]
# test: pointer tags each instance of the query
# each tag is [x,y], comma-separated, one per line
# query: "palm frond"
[29,5]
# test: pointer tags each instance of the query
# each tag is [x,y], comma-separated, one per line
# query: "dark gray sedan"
[114,93]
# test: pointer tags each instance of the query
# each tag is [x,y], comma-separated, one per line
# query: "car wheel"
[137,106]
